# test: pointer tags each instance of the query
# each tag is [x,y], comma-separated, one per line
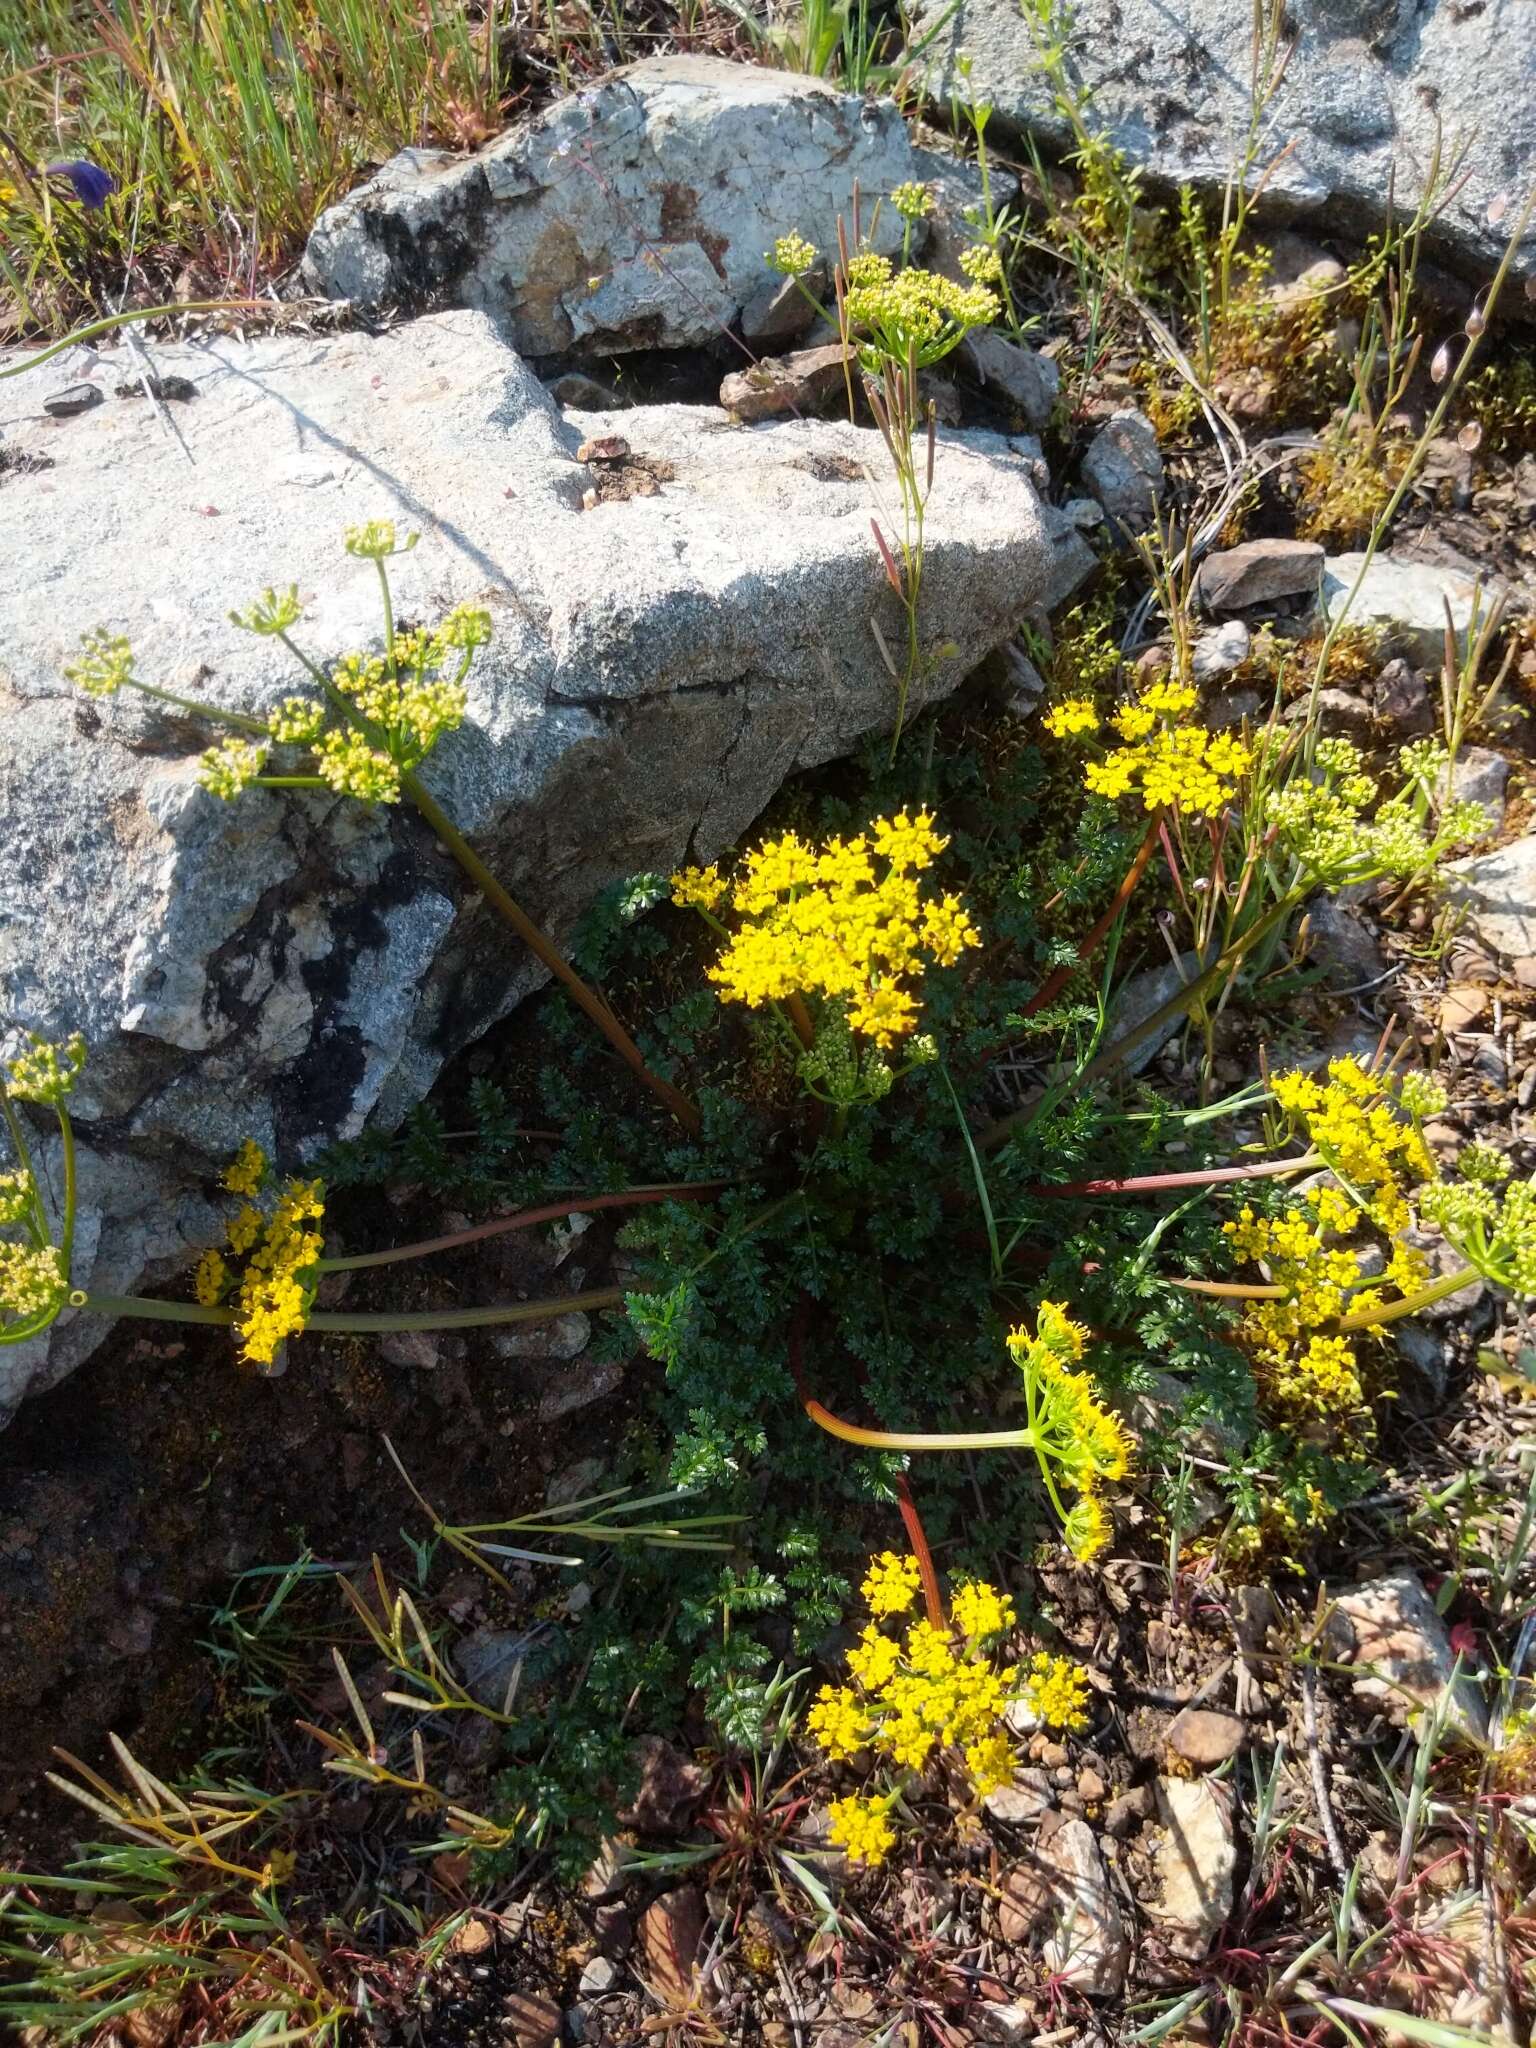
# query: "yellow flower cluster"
[44,1072]
[927,1690]
[912,201]
[792,256]
[862,1828]
[1308,1382]
[279,1282]
[281,1251]
[1056,1691]
[1165,762]
[1077,1440]
[891,1583]
[247,1170]
[981,264]
[1323,820]
[33,1281]
[915,316]
[231,766]
[34,1277]
[1368,1135]
[1493,1228]
[103,665]
[823,923]
[1366,1128]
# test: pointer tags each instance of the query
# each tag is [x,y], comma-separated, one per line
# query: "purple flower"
[93,186]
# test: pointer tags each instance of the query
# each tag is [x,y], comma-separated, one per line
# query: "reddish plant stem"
[1209,1176]
[917,1536]
[912,1521]
[525,1219]
[800,1017]
[1057,980]
[1228,1290]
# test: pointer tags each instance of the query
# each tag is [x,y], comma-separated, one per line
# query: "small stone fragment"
[1124,470]
[599,1976]
[1499,892]
[1010,2026]
[779,310]
[605,448]
[1125,1815]
[671,1929]
[581,1385]
[1089,1947]
[73,400]
[1259,572]
[489,1662]
[1401,699]
[1424,1350]
[1027,1894]
[173,390]
[532,2021]
[1025,378]
[785,384]
[561,1337]
[1024,1800]
[1462,1007]
[471,1938]
[1406,599]
[1195,1860]
[1218,653]
[1206,1737]
[1389,1630]
[1341,945]
[668,1788]
[419,1349]
[577,392]
[1338,711]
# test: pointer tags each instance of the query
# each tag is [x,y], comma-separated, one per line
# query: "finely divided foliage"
[877,1276]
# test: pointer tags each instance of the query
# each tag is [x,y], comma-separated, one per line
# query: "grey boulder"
[1370,96]
[289,965]
[1404,599]
[1124,471]
[1498,892]
[635,215]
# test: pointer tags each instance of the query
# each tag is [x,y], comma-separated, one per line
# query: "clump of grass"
[227,128]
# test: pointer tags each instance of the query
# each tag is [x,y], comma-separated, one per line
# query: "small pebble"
[73,400]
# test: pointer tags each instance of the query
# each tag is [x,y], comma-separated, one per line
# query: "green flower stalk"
[375,720]
[1079,1444]
[261,1283]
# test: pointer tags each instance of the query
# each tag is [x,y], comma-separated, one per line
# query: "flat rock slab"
[1365,94]
[287,966]
[1388,1629]
[637,214]
[1259,572]
[1498,891]
[1196,1859]
[1404,599]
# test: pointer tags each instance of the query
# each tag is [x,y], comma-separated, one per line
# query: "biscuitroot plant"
[1336,1261]
[262,1282]
[895,321]
[932,1700]
[836,939]
[1251,828]
[369,724]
